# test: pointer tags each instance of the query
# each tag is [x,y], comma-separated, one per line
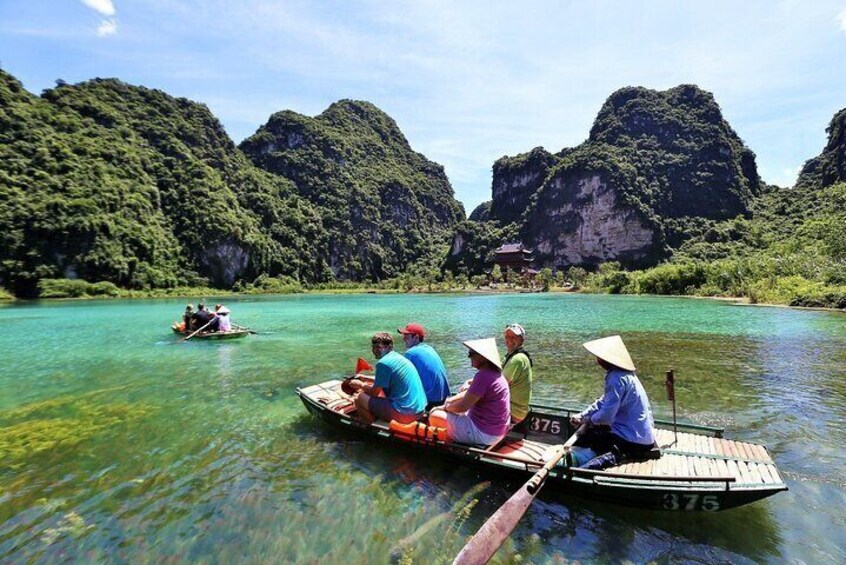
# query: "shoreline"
[208,292]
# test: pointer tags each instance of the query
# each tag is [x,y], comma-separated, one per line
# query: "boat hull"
[698,469]
[214,336]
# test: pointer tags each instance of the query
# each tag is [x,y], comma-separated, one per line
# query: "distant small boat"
[696,469]
[232,334]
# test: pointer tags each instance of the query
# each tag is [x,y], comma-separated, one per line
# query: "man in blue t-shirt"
[396,393]
[428,364]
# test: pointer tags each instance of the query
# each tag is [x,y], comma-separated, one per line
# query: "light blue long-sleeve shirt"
[624,407]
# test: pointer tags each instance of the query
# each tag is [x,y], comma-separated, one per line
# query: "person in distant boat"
[480,414]
[517,370]
[428,363]
[201,317]
[186,318]
[224,324]
[396,392]
[620,424]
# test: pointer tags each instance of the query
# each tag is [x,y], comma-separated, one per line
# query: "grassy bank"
[757,279]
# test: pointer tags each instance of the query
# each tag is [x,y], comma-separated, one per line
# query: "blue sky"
[467,81]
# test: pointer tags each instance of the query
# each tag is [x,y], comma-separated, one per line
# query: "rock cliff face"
[383,204]
[598,226]
[515,180]
[651,156]
[829,167]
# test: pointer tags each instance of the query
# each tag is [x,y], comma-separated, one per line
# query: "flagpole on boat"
[670,385]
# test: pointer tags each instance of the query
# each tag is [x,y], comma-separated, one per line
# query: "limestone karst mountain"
[105,181]
[653,161]
[383,205]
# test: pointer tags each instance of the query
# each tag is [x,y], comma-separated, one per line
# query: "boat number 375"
[546,425]
[707,502]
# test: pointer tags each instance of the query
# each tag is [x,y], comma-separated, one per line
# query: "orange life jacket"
[419,431]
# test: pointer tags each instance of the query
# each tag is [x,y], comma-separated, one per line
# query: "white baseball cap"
[516,329]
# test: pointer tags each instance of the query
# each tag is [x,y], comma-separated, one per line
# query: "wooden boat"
[698,469]
[232,334]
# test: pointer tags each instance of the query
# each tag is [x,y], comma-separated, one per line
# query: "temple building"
[516,257]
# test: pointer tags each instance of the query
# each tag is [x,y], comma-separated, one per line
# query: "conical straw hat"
[613,350]
[486,348]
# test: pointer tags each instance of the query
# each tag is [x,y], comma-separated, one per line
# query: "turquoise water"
[119,444]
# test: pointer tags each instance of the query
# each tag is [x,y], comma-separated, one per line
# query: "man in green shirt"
[517,370]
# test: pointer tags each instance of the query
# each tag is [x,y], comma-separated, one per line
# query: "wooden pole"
[670,384]
[198,331]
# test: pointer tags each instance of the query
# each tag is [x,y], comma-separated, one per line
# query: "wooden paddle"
[198,331]
[482,546]
[242,328]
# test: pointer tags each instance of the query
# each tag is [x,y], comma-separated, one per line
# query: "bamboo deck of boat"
[692,457]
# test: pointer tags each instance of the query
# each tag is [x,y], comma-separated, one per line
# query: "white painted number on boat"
[707,502]
[546,426]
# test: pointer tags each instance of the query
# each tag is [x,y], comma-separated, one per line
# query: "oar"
[482,546]
[242,328]
[198,331]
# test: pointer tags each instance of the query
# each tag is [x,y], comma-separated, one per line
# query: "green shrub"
[820,297]
[62,288]
[609,278]
[670,278]
[782,290]
[577,276]
[708,290]
[75,288]
[545,277]
[274,285]
[103,288]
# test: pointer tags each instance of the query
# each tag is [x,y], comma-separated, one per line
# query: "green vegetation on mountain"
[830,166]
[688,159]
[104,181]
[792,250]
[669,165]
[385,207]
[474,246]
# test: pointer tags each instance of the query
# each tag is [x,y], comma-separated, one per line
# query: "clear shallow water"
[118,444]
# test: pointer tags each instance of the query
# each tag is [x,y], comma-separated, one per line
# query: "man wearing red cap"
[428,364]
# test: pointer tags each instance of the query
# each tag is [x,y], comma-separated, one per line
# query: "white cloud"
[841,19]
[104,7]
[107,27]
[784,177]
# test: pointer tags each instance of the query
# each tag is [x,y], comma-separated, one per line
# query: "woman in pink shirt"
[481,413]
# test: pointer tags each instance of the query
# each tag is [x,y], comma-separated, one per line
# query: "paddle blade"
[362,365]
[490,536]
[493,533]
